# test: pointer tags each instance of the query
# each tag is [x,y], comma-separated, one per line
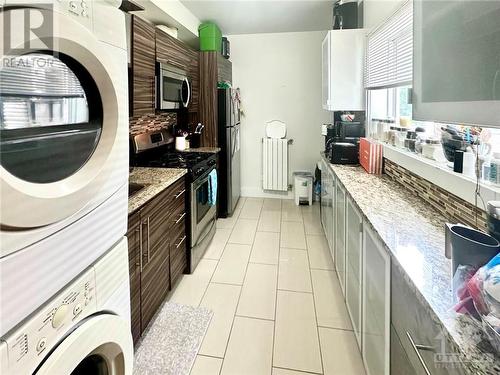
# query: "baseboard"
[260,193]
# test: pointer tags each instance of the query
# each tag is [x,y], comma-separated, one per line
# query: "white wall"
[377,11]
[279,76]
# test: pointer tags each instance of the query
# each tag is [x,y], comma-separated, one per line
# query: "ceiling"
[264,16]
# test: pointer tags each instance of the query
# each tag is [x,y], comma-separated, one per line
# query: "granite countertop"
[211,150]
[414,236]
[155,180]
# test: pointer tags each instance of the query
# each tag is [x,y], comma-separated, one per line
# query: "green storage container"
[210,37]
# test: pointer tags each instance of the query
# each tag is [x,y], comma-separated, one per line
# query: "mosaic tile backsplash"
[455,209]
[151,122]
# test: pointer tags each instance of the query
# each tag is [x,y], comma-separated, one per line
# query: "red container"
[370,155]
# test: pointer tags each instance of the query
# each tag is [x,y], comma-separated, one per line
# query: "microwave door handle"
[186,103]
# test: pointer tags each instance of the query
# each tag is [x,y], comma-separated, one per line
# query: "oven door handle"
[201,180]
[210,226]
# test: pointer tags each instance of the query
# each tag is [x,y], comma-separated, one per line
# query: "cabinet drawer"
[400,364]
[178,257]
[413,320]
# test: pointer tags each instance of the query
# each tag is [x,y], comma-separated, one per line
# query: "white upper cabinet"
[343,53]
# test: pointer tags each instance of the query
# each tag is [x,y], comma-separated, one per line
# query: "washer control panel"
[29,343]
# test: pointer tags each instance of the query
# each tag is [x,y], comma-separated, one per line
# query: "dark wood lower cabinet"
[157,253]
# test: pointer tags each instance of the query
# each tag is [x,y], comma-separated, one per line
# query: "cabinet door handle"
[179,194]
[416,348]
[180,218]
[140,247]
[148,239]
[180,242]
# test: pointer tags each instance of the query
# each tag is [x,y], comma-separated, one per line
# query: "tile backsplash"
[453,208]
[151,122]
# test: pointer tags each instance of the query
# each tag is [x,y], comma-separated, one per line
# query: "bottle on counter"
[495,169]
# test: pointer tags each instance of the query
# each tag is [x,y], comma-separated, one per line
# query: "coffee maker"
[342,137]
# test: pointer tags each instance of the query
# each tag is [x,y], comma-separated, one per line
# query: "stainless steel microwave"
[173,89]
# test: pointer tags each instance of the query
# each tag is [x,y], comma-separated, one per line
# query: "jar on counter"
[411,139]
[382,130]
[431,147]
[400,137]
[374,129]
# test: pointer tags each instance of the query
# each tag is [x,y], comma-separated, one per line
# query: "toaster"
[344,153]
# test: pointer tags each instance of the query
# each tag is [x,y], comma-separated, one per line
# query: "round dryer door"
[101,345]
[60,111]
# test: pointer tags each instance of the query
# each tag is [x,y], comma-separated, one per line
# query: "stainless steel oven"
[203,217]
[174,90]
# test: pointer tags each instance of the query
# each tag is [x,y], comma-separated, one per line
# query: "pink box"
[370,156]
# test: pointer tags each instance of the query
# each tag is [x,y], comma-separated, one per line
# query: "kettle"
[468,246]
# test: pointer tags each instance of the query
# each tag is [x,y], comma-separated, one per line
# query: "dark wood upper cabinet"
[213,69]
[178,54]
[142,77]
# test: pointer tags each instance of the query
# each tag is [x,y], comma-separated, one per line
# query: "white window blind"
[389,54]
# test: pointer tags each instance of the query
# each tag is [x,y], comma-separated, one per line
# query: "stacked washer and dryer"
[64,289]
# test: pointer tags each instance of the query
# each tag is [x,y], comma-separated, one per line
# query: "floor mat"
[171,342]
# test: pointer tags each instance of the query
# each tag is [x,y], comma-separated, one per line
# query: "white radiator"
[275,164]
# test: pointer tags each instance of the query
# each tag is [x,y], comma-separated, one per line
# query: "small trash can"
[303,186]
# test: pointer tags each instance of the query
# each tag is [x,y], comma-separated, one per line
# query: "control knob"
[59,316]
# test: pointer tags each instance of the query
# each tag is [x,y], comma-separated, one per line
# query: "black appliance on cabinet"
[342,141]
[229,186]
[156,150]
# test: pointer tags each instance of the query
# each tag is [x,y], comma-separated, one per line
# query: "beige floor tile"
[292,235]
[282,371]
[296,343]
[306,209]
[340,352]
[266,247]
[290,211]
[206,366]
[312,223]
[227,223]
[331,310]
[233,264]
[270,221]
[240,203]
[319,252]
[258,295]
[216,247]
[250,347]
[251,209]
[271,204]
[293,273]
[190,288]
[244,231]
[222,299]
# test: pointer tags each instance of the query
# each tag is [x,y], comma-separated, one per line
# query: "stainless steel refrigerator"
[229,185]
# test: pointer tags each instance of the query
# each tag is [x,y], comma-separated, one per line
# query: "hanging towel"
[212,188]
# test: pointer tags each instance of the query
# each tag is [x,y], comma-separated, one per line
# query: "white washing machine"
[63,145]
[85,329]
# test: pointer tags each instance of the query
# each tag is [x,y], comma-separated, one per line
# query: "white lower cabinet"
[324,192]
[340,263]
[354,266]
[331,215]
[327,197]
[376,305]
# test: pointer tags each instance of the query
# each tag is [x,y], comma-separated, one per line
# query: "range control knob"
[59,316]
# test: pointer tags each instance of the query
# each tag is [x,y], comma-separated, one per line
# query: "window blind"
[389,51]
